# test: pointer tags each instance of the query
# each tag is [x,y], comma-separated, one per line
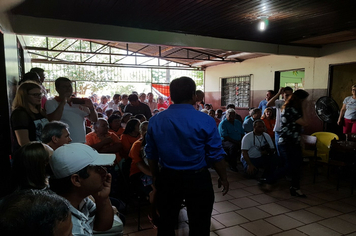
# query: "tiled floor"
[249,210]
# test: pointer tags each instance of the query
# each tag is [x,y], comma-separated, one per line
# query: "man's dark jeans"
[195,187]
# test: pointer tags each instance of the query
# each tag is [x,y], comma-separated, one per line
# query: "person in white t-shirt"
[71,111]
[347,116]
[258,151]
[115,102]
[286,93]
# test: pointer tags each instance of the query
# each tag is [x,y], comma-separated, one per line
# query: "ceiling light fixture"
[263,23]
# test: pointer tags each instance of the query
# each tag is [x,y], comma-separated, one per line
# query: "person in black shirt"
[136,107]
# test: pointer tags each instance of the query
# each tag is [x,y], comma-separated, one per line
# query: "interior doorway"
[341,79]
[292,78]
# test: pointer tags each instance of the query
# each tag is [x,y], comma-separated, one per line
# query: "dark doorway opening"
[341,79]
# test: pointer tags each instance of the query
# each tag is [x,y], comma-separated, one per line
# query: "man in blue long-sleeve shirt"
[185,142]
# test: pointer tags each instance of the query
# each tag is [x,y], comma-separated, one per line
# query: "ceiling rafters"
[174,57]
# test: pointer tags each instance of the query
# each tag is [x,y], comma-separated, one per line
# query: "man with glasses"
[78,173]
[71,111]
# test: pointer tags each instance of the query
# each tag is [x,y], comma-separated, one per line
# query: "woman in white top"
[347,116]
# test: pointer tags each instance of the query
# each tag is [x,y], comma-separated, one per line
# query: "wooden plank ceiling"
[312,23]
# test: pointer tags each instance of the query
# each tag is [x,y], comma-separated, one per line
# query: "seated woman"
[269,120]
[115,125]
[140,173]
[27,117]
[29,168]
[130,135]
[141,117]
[125,118]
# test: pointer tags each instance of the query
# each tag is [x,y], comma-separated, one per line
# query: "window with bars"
[236,90]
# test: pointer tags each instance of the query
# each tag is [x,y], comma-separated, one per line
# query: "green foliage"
[125,89]
[98,79]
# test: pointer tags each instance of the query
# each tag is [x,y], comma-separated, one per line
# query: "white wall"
[263,68]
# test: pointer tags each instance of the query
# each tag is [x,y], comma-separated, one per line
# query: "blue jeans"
[276,138]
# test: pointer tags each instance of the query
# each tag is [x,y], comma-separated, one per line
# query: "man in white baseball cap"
[78,173]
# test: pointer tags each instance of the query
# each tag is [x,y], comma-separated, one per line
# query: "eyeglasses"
[36,95]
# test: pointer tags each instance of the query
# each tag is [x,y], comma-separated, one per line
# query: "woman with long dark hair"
[293,118]
[29,168]
[130,135]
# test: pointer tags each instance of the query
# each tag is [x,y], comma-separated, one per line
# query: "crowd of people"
[69,152]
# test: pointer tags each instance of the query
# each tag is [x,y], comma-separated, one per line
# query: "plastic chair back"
[323,144]
[308,144]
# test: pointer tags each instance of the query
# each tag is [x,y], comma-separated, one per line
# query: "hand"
[107,140]
[225,185]
[103,194]
[251,169]
[88,103]
[116,212]
[64,97]
[339,122]
[281,90]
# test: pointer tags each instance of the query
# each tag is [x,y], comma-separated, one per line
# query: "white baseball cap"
[71,158]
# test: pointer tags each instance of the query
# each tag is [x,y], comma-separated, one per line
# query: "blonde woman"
[27,117]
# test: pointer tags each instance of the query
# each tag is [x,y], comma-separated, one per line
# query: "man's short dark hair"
[133,98]
[116,95]
[182,89]
[37,70]
[270,91]
[53,128]
[30,76]
[258,121]
[32,212]
[60,80]
[124,96]
[64,185]
[231,105]
[288,89]
[254,111]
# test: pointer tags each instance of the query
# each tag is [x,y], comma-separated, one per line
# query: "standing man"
[71,112]
[41,74]
[263,103]
[185,142]
[199,98]
[136,107]
[124,102]
[286,93]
